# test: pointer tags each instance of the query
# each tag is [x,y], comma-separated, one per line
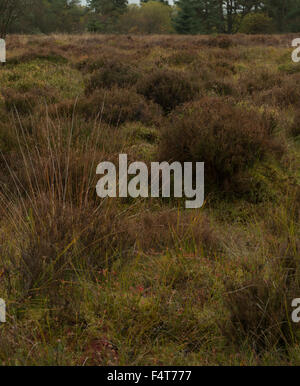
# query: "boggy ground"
[144,281]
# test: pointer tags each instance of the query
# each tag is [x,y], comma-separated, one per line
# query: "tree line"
[231,16]
[152,16]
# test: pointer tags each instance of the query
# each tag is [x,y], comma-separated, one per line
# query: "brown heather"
[227,137]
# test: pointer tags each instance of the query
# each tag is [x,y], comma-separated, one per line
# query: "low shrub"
[257,313]
[88,65]
[220,41]
[112,74]
[295,127]
[259,80]
[228,138]
[282,95]
[221,87]
[25,102]
[182,57]
[167,88]
[53,56]
[114,107]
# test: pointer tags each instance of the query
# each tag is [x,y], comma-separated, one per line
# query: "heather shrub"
[228,138]
[120,105]
[25,102]
[87,65]
[283,95]
[41,53]
[259,80]
[167,88]
[221,87]
[114,107]
[294,130]
[8,140]
[111,74]
[220,41]
[222,68]
[182,57]
[257,312]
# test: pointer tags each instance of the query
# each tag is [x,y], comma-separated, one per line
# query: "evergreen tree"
[108,7]
[283,12]
[293,17]
[199,16]
[105,14]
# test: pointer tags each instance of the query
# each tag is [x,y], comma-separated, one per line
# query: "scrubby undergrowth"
[146,282]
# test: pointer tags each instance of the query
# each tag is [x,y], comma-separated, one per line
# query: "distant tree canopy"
[256,23]
[104,14]
[46,16]
[10,11]
[152,16]
[108,7]
[199,16]
[227,16]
